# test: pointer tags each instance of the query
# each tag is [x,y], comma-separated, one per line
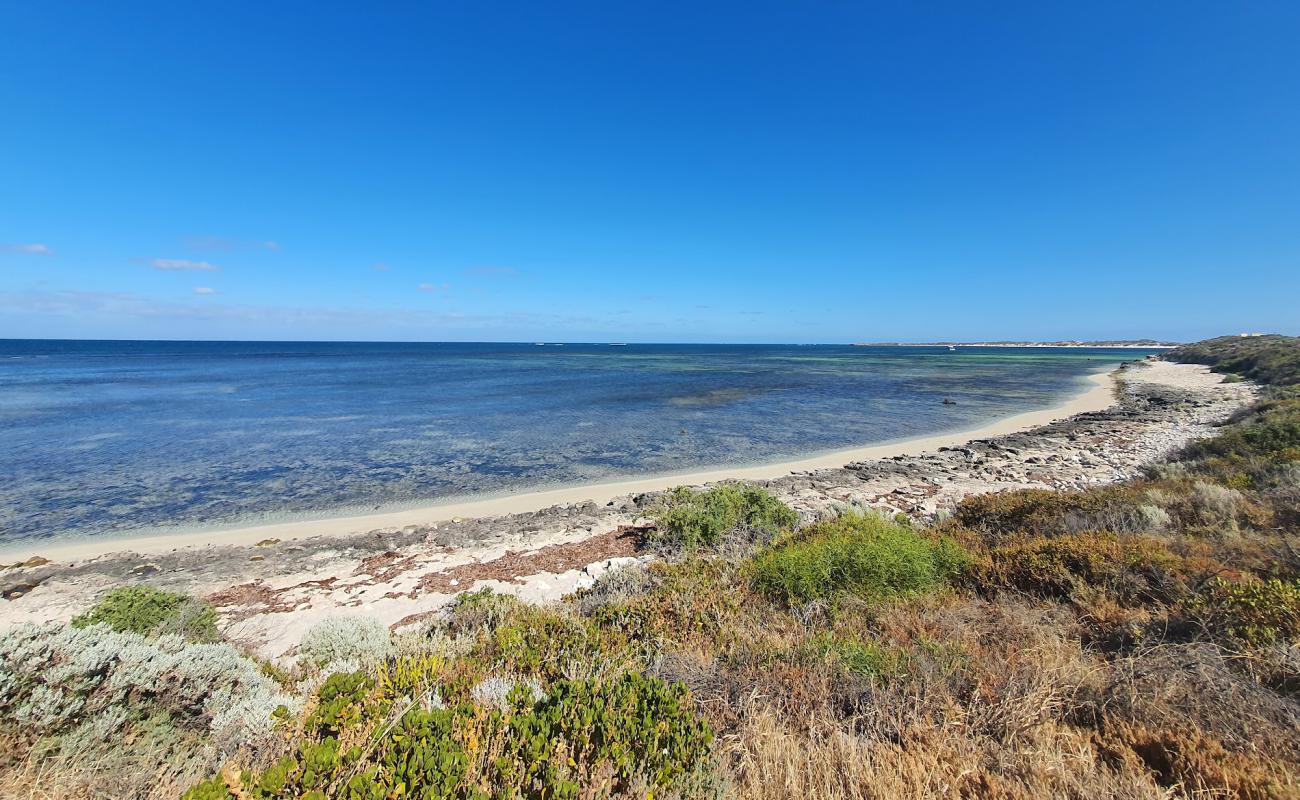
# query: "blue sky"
[779,172]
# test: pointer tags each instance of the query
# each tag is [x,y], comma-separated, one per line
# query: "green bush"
[145,610]
[689,518]
[1012,512]
[480,610]
[860,555]
[363,742]
[541,643]
[1252,612]
[637,727]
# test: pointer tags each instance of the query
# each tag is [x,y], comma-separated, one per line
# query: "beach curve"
[1098,395]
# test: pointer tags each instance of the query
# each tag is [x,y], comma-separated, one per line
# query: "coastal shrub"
[345,639]
[503,691]
[687,518]
[1269,359]
[615,586]
[855,554]
[1044,512]
[1214,504]
[637,730]
[601,737]
[211,789]
[478,611]
[78,693]
[1204,507]
[695,599]
[549,644]
[1268,431]
[1251,612]
[1131,569]
[145,610]
[1285,502]
[1014,511]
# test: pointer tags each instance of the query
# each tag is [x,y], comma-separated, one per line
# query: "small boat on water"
[953,349]
[618,344]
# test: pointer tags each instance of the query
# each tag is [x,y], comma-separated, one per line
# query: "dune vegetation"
[1139,640]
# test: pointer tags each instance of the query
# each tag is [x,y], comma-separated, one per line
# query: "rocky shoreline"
[268,594]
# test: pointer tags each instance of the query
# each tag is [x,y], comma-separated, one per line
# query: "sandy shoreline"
[1099,395]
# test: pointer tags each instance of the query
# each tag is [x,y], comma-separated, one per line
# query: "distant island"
[1142,343]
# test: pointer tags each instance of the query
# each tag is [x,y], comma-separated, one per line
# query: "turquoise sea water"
[116,437]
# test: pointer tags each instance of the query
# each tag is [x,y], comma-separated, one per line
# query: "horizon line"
[895,343]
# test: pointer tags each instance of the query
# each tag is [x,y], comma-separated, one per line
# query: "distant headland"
[1136,343]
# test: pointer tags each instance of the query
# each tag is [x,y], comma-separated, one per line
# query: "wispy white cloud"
[379,267]
[270,244]
[489,272]
[434,287]
[31,249]
[205,290]
[183,264]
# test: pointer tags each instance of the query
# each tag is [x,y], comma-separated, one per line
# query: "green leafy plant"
[855,554]
[363,742]
[145,610]
[633,728]
[689,518]
[1251,612]
[212,789]
[543,643]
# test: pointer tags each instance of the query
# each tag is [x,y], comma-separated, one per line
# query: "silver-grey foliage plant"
[53,676]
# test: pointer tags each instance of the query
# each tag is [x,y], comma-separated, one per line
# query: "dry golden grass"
[771,762]
[27,776]
[997,698]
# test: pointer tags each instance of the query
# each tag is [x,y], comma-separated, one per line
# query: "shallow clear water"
[99,437]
